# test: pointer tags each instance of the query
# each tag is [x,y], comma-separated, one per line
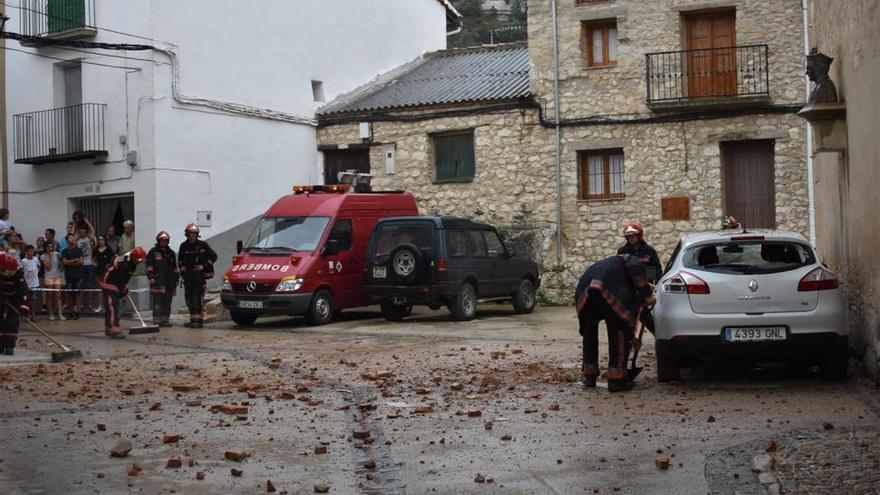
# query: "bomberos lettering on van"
[260,267]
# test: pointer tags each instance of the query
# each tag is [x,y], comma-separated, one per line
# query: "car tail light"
[747,238]
[685,282]
[441,265]
[818,279]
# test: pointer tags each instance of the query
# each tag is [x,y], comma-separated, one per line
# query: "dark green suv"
[442,261]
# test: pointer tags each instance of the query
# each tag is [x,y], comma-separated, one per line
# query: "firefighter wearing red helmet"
[647,256]
[163,276]
[636,246]
[114,287]
[14,294]
[196,264]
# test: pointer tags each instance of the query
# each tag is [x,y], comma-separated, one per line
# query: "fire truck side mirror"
[239,247]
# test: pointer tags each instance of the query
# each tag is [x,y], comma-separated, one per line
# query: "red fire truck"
[306,255]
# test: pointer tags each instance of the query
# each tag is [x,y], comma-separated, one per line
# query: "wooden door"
[711,66]
[748,182]
[336,161]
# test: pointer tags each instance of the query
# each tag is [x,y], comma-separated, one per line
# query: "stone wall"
[514,186]
[846,184]
[646,27]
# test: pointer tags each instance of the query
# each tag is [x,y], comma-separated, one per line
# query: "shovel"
[633,370]
[144,328]
[64,354]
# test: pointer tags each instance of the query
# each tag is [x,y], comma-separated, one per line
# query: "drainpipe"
[811,194]
[558,131]
[4,160]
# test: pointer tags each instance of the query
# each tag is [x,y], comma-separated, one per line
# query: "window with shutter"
[600,43]
[454,156]
[65,14]
[601,174]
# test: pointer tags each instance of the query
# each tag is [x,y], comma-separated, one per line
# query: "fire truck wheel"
[243,319]
[321,309]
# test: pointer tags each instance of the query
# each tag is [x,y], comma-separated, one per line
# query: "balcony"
[62,134]
[58,19]
[714,78]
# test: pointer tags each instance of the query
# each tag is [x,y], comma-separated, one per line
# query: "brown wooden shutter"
[711,68]
[748,182]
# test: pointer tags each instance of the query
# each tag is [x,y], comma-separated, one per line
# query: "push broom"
[64,354]
[144,328]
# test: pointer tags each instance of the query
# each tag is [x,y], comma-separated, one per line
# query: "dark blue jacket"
[621,282]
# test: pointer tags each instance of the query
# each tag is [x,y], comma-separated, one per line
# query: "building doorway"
[748,182]
[336,161]
[104,211]
[710,39]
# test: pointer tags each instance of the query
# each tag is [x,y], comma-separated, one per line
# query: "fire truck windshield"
[287,234]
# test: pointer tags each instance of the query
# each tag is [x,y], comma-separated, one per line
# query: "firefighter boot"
[589,382]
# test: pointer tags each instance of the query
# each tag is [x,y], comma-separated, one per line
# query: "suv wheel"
[406,263]
[395,312]
[524,299]
[320,311]
[464,306]
[667,368]
[243,318]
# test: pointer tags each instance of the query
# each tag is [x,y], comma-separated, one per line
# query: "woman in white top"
[52,280]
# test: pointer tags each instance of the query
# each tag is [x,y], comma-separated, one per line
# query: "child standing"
[31,267]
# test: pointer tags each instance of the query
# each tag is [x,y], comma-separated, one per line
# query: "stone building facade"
[847,177]
[670,150]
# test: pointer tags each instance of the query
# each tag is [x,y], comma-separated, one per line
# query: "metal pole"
[558,137]
[811,192]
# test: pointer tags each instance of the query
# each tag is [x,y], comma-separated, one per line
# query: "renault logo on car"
[251,286]
[753,286]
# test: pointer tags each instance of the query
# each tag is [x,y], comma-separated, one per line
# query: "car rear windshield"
[753,257]
[287,234]
[391,235]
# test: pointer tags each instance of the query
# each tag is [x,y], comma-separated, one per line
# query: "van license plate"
[380,272]
[754,334]
[250,304]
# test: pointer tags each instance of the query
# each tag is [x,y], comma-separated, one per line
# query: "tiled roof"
[481,74]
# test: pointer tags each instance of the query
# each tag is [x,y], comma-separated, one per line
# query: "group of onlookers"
[64,274]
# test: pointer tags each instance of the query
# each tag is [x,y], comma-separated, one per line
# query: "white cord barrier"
[45,289]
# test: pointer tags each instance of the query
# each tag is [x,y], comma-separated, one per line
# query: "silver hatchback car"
[748,295]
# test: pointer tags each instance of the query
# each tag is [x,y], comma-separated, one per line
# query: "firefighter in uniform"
[163,276]
[196,263]
[636,246]
[614,290]
[14,293]
[114,287]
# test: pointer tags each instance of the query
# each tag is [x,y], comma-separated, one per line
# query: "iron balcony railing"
[74,132]
[709,73]
[56,17]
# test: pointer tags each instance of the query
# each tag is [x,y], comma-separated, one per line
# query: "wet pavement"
[422,406]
